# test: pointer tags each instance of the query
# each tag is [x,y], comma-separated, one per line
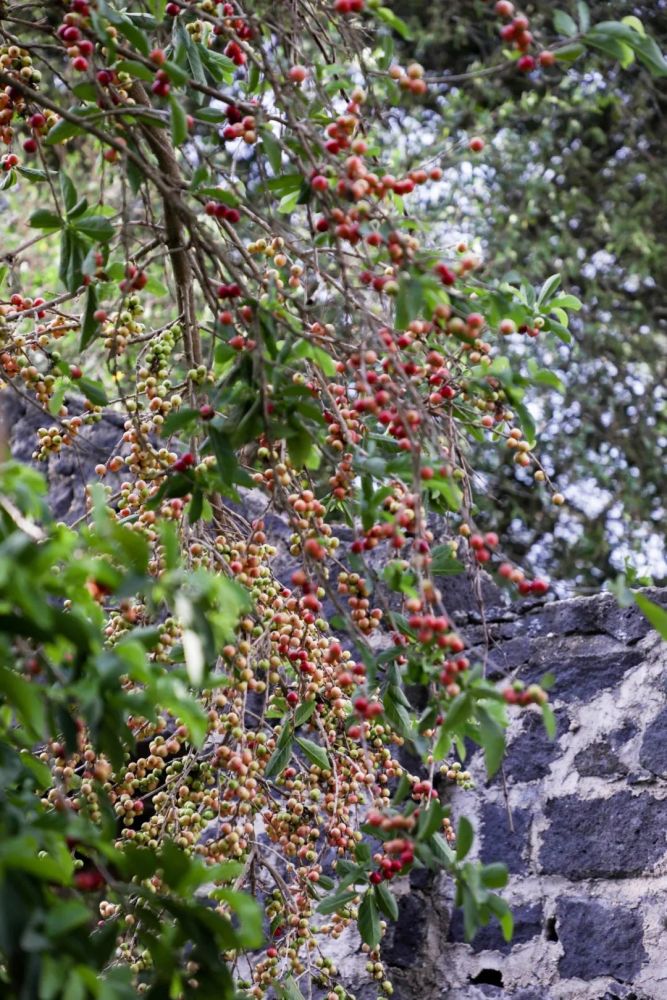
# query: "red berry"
[319,182]
[184,462]
[75,371]
[526,64]
[80,64]
[298,74]
[547,58]
[207,412]
[476,144]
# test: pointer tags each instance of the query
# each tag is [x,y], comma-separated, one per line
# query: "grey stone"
[527,925]
[405,941]
[603,838]
[653,751]
[531,752]
[599,940]
[600,759]
[582,666]
[502,842]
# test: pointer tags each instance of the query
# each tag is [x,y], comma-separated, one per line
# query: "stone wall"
[580,820]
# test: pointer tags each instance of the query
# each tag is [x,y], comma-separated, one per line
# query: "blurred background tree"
[571,180]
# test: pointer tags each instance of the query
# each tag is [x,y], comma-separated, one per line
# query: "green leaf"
[635,23]
[65,917]
[394,22]
[564,24]
[288,990]
[409,302]
[315,754]
[280,758]
[584,14]
[430,820]
[368,921]
[89,325]
[68,191]
[548,289]
[178,119]
[493,740]
[93,391]
[337,902]
[61,131]
[249,913]
[134,34]
[549,720]
[458,711]
[656,615]
[304,712]
[157,9]
[464,838]
[72,257]
[444,562]
[495,875]
[568,53]
[45,219]
[644,47]
[25,699]
[97,227]
[136,69]
[386,900]
[503,914]
[271,147]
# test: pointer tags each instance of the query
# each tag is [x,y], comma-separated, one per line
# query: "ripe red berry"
[298,74]
[158,56]
[30,145]
[80,64]
[476,144]
[75,371]
[184,462]
[206,412]
[319,182]
[526,64]
[547,58]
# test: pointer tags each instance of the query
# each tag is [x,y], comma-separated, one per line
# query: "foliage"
[197,707]
[566,157]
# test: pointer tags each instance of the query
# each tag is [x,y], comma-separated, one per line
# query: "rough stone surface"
[599,940]
[653,752]
[528,923]
[505,835]
[530,754]
[615,837]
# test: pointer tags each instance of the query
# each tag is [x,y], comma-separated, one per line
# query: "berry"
[298,74]
[526,64]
